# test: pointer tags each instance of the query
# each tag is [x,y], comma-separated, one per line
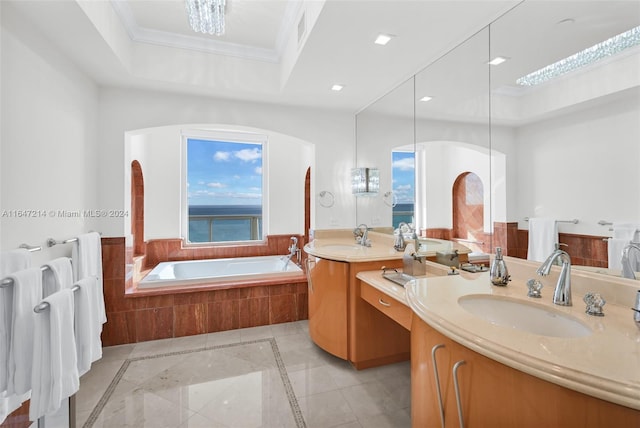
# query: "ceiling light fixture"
[426,98]
[609,47]
[383,39]
[498,60]
[337,87]
[206,16]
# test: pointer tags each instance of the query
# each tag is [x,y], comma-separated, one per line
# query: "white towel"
[10,262]
[625,231]
[59,275]
[614,252]
[543,236]
[87,261]
[27,292]
[87,325]
[55,368]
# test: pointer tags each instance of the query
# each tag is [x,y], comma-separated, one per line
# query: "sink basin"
[523,316]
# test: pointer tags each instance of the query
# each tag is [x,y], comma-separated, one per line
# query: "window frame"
[231,137]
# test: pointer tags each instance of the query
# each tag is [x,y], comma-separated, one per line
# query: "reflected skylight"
[612,46]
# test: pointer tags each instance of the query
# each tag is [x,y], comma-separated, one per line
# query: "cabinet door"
[494,395]
[328,282]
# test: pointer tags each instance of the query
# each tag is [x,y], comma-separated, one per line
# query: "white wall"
[48,146]
[159,152]
[122,111]
[582,165]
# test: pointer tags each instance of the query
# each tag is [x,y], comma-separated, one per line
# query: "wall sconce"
[365,181]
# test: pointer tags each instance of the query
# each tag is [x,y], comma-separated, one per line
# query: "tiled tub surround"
[585,250]
[136,316]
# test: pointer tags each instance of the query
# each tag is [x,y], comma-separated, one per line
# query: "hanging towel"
[87,325]
[59,275]
[625,231]
[543,236]
[55,368]
[614,252]
[27,292]
[87,261]
[10,262]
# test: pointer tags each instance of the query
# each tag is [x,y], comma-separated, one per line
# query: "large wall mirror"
[491,153]
[569,133]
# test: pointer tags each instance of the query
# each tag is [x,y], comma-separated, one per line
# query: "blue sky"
[222,173]
[403,173]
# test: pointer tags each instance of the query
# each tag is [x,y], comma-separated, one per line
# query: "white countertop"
[341,246]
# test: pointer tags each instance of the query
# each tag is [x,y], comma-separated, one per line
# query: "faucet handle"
[534,288]
[594,302]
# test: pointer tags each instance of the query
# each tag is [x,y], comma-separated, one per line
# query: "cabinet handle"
[437,378]
[383,303]
[456,386]
[309,261]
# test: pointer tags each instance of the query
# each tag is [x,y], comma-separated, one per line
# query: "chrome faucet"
[362,235]
[400,244]
[562,293]
[293,251]
[628,269]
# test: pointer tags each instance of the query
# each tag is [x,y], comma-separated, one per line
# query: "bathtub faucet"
[293,251]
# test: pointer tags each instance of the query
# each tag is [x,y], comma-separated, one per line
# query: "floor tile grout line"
[293,401]
[291,396]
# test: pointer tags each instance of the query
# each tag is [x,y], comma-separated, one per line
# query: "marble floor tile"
[269,376]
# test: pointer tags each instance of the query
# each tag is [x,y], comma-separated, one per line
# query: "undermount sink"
[523,316]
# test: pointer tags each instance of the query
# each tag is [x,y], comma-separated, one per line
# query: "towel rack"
[30,248]
[41,307]
[52,242]
[574,221]
[9,281]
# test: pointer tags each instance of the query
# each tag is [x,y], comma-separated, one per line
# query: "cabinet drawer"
[389,306]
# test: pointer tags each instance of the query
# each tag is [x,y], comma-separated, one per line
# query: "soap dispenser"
[499,273]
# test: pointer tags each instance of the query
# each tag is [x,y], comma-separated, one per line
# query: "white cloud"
[216,185]
[248,155]
[258,170]
[406,164]
[403,187]
[222,156]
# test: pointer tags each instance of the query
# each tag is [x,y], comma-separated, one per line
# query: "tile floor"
[270,376]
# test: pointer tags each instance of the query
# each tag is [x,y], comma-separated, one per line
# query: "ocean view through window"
[403,178]
[224,187]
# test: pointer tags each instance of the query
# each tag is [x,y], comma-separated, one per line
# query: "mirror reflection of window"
[403,178]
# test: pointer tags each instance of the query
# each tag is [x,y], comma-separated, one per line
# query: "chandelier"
[206,16]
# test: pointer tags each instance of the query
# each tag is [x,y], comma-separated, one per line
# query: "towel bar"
[30,248]
[51,242]
[8,281]
[45,305]
[574,221]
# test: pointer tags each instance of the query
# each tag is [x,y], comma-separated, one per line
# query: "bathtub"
[192,272]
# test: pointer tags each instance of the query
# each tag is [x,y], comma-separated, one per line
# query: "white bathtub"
[171,274]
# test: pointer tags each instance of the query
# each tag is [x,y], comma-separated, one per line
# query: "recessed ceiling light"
[383,39]
[426,98]
[337,87]
[498,60]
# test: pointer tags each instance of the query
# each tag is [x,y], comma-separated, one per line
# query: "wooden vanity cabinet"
[374,338]
[328,285]
[495,395]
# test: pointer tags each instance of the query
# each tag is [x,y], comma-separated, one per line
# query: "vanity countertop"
[341,246]
[605,364]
